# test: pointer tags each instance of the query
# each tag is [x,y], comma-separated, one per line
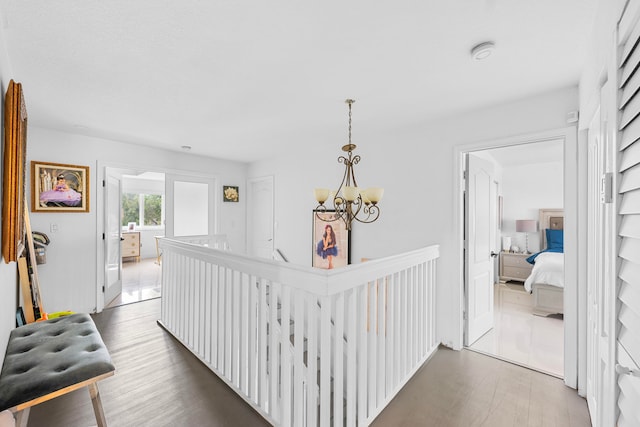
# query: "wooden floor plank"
[465,388]
[159,383]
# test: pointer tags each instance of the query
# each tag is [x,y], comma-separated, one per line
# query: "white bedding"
[548,269]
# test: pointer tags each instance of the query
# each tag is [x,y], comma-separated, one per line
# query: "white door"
[113,264]
[189,206]
[260,218]
[593,307]
[608,258]
[601,261]
[480,221]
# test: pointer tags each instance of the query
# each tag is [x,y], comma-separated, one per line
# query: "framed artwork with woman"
[331,241]
[57,187]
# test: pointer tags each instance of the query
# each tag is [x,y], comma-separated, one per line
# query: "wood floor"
[159,383]
[469,389]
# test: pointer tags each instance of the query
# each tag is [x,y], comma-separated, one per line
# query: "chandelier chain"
[350,102]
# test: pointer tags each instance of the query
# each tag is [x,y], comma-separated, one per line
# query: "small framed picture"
[331,241]
[57,187]
[131,226]
[230,193]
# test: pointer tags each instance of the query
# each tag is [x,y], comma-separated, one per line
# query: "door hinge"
[104,184]
[103,289]
[103,236]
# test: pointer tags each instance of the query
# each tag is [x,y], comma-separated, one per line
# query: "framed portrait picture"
[57,187]
[331,241]
[230,193]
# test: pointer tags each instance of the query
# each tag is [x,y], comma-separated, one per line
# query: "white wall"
[525,190]
[68,280]
[415,164]
[8,276]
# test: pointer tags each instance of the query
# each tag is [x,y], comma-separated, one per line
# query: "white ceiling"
[244,79]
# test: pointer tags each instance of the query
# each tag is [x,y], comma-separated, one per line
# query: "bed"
[546,281]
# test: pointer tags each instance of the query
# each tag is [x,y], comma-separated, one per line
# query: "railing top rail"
[313,280]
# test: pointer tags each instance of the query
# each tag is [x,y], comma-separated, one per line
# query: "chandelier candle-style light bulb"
[322,194]
[365,199]
[375,194]
[349,202]
[350,193]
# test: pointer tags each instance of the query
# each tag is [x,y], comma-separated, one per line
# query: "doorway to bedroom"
[135,220]
[507,190]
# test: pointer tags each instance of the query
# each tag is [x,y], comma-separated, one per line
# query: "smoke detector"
[483,50]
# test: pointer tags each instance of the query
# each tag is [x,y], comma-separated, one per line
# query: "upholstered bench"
[47,359]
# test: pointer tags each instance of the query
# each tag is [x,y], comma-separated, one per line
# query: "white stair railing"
[303,346]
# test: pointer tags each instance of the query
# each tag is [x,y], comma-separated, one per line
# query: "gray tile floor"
[140,282]
[520,336]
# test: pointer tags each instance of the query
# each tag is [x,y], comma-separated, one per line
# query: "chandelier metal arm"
[372,212]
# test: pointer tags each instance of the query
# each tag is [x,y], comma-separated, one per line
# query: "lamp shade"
[526,225]
[322,194]
[374,194]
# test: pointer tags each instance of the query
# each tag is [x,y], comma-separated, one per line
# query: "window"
[152,207]
[143,209]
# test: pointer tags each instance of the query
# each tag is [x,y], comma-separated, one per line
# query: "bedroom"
[528,178]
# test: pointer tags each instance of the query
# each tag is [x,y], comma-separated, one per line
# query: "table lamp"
[526,226]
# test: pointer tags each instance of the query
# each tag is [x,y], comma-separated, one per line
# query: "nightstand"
[514,266]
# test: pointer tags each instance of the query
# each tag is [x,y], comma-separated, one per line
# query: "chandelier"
[349,202]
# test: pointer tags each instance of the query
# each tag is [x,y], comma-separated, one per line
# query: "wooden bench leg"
[22,417]
[97,404]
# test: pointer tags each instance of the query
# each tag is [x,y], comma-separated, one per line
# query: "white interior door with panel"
[480,223]
[593,302]
[113,264]
[601,264]
[260,217]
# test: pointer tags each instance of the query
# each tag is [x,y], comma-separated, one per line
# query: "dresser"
[514,266]
[130,245]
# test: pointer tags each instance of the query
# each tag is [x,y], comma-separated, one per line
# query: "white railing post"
[305,347]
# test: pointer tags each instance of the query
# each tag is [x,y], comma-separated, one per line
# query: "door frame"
[101,258]
[574,341]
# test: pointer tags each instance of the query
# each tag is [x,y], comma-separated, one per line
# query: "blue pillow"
[555,239]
